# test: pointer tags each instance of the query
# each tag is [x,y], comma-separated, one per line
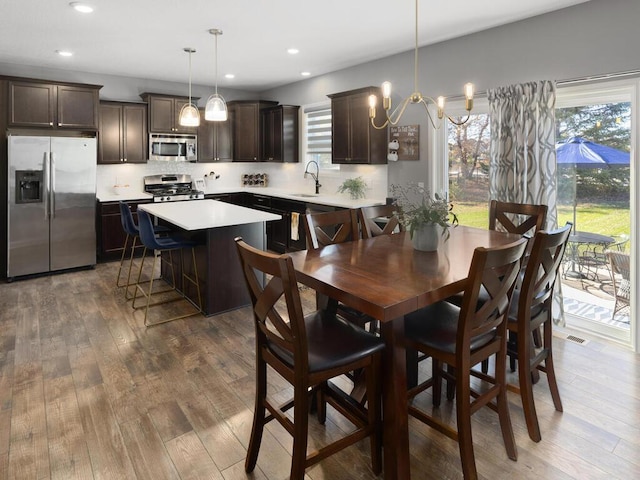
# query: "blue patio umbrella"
[581,153]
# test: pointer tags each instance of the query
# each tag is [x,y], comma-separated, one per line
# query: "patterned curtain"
[522,168]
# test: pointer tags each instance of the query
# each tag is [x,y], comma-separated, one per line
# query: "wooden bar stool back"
[307,351]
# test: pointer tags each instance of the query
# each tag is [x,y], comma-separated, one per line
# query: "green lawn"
[605,219]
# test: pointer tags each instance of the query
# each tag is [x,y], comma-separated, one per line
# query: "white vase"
[426,238]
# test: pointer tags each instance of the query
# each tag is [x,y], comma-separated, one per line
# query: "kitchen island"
[214,225]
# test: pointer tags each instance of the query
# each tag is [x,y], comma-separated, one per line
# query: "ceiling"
[145,38]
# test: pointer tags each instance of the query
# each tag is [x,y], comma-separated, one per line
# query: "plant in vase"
[426,217]
[355,186]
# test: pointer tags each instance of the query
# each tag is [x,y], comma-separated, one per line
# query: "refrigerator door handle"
[47,184]
[53,185]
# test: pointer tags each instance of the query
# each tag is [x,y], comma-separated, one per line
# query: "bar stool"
[159,245]
[131,229]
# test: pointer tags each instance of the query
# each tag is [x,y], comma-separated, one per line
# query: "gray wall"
[593,38]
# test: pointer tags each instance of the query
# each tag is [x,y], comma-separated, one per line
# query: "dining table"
[386,278]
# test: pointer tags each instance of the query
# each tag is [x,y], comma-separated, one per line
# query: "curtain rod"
[603,76]
[569,81]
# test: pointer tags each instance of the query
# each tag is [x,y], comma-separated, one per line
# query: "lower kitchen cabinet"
[109,230]
[276,230]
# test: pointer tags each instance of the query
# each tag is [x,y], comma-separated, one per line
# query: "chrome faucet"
[315,176]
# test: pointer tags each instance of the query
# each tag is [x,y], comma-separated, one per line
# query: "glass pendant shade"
[189,115]
[216,109]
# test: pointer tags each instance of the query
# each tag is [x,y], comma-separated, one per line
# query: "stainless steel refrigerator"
[52,199]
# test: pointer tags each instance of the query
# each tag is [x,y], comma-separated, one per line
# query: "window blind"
[318,130]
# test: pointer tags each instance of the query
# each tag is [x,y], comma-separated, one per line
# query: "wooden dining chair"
[307,351]
[532,311]
[520,218]
[329,228]
[461,337]
[370,224]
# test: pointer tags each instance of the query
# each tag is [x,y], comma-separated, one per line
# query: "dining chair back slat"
[328,228]
[521,218]
[369,227]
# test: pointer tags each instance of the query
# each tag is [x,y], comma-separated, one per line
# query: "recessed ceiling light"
[229,75]
[81,7]
[305,74]
[64,53]
[293,51]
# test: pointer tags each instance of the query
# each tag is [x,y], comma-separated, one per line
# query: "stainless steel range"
[171,188]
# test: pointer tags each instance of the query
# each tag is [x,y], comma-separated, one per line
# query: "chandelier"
[416,97]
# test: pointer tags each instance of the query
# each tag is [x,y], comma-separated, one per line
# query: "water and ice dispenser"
[29,186]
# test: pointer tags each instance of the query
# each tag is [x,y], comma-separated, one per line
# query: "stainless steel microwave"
[173,147]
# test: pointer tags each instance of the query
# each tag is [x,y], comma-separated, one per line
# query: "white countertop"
[204,214]
[335,200]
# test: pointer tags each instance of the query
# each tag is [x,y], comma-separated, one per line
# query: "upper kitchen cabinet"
[51,105]
[123,133]
[164,112]
[246,128]
[214,141]
[353,138]
[280,134]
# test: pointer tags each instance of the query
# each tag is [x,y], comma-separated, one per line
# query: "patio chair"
[620,266]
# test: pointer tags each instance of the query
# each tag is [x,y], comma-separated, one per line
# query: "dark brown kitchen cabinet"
[280,134]
[214,141]
[353,139]
[246,129]
[164,112]
[109,229]
[123,134]
[49,105]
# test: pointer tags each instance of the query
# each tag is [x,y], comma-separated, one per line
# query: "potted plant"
[426,217]
[355,186]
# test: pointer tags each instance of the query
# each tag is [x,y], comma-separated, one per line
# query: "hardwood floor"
[87,392]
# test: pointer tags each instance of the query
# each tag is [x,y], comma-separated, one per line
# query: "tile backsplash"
[228,175]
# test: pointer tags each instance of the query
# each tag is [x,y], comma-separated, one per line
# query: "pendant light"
[216,108]
[189,114]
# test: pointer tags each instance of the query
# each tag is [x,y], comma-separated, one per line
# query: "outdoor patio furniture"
[585,254]
[621,278]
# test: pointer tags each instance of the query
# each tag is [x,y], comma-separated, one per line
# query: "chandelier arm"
[397,114]
[462,122]
[424,103]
